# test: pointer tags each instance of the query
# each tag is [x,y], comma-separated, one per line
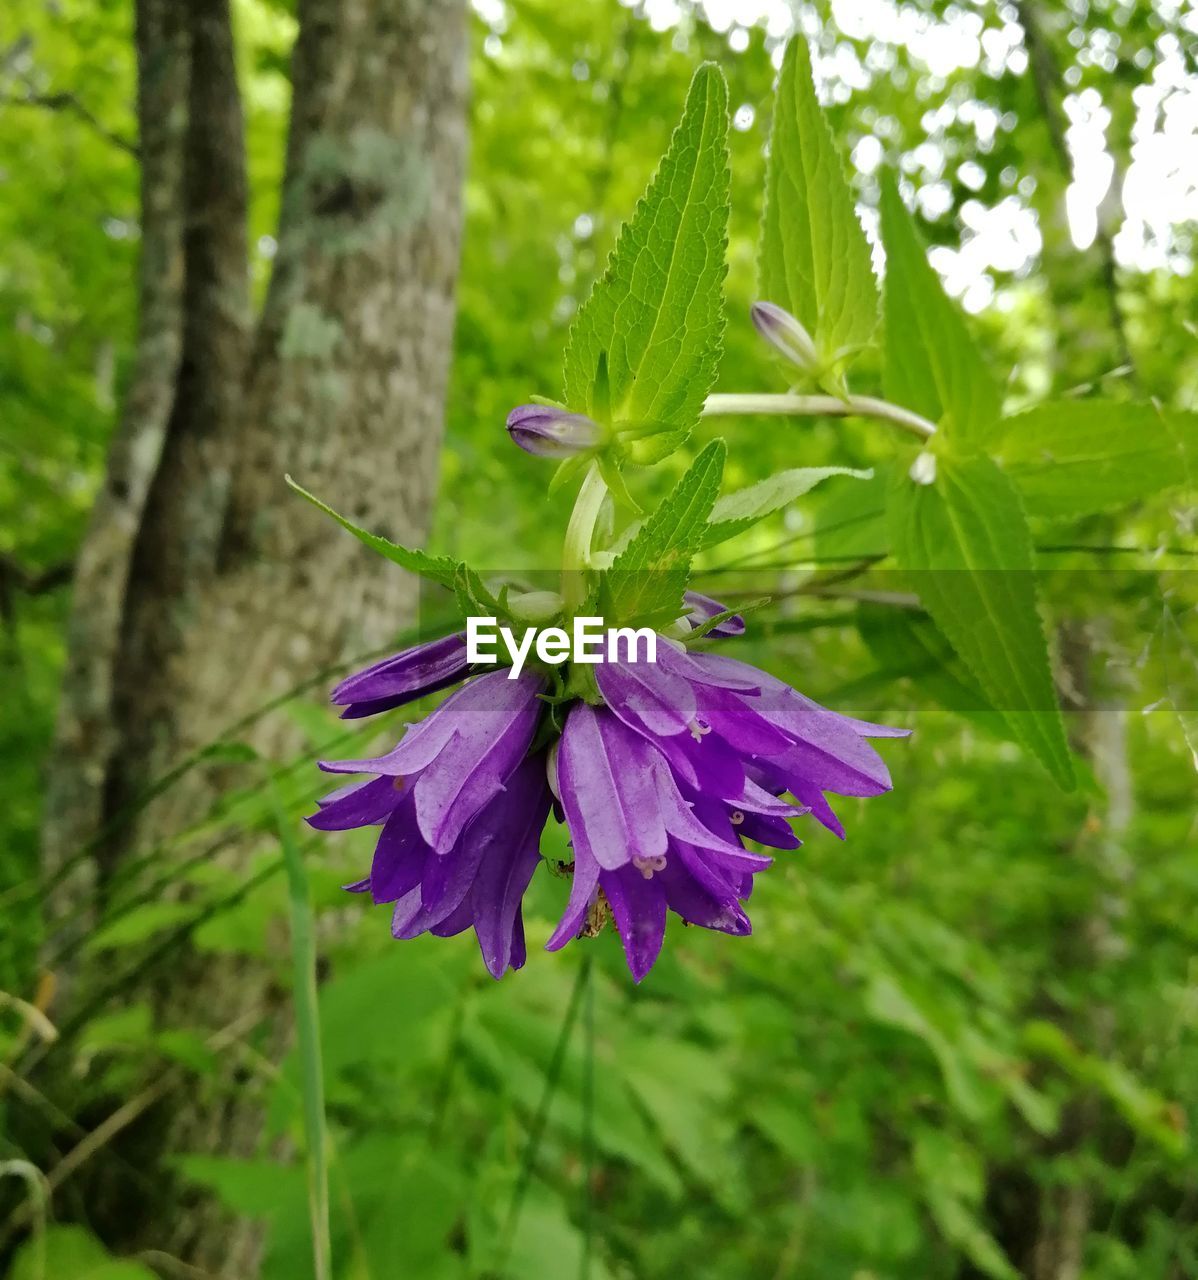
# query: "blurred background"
[959,1045]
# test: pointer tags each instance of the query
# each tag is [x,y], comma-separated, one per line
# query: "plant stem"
[820,407]
[580,533]
[537,1129]
[307,1026]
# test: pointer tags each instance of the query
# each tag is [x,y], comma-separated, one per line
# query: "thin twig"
[68,102]
[34,582]
[123,981]
[33,1016]
[161,1261]
[121,1118]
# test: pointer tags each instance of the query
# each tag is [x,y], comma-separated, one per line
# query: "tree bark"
[85,735]
[219,588]
[1066,1212]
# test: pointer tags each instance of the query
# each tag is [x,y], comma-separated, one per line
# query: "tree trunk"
[85,737]
[205,587]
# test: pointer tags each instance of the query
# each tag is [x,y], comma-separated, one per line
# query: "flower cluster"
[661,777]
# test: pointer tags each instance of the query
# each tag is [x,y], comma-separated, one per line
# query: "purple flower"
[403,678]
[462,805]
[550,432]
[642,845]
[659,786]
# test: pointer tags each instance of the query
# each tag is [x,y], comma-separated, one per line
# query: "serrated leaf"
[1076,457]
[439,569]
[647,578]
[657,312]
[741,510]
[966,543]
[931,364]
[814,259]
[906,642]
[474,597]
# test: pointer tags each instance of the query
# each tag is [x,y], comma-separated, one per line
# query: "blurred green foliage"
[883,1081]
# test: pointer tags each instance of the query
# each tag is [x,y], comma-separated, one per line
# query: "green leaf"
[741,510]
[814,259]
[71,1253]
[439,569]
[1077,457]
[953,1184]
[906,642]
[657,312]
[930,362]
[474,597]
[648,577]
[140,923]
[965,540]
[850,519]
[1146,1110]
[887,1000]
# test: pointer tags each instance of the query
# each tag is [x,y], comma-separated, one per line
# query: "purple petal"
[821,810]
[403,677]
[479,758]
[359,805]
[646,697]
[706,764]
[768,829]
[400,855]
[605,777]
[458,921]
[550,432]
[680,820]
[515,821]
[518,952]
[638,905]
[424,906]
[697,904]
[710,668]
[582,894]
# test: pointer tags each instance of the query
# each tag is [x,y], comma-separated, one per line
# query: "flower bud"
[535,606]
[923,469]
[701,609]
[549,432]
[784,333]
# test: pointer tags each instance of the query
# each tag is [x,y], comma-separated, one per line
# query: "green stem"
[537,1130]
[307,1027]
[820,407]
[580,534]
